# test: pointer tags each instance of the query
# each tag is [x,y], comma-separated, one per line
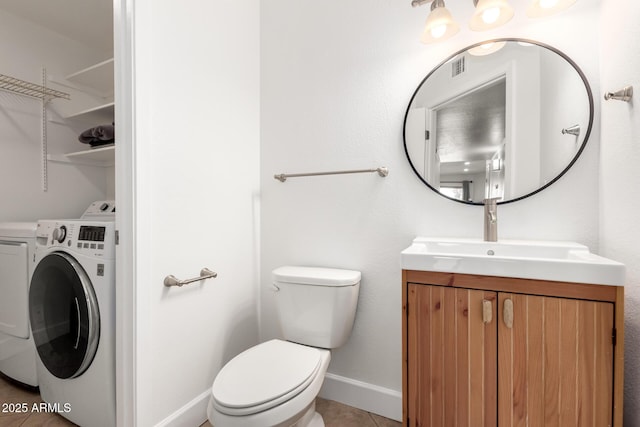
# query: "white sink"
[557,261]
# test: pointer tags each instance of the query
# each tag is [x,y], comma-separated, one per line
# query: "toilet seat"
[265,376]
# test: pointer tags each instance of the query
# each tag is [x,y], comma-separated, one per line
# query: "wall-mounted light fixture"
[440,25]
[488,14]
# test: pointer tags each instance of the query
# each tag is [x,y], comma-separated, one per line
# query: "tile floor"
[13,399]
[335,414]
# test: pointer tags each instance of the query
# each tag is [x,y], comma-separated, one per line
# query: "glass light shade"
[543,8]
[439,26]
[487,48]
[490,14]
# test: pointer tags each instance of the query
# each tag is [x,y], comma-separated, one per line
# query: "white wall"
[195,201]
[336,80]
[25,48]
[620,188]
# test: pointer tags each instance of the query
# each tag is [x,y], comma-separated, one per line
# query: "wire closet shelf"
[22,87]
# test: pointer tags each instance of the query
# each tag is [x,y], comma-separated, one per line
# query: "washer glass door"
[64,315]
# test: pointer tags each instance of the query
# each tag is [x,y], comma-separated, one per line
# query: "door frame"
[126,289]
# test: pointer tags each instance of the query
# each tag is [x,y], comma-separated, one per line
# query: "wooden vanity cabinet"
[483,351]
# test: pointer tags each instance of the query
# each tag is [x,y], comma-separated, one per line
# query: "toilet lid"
[264,376]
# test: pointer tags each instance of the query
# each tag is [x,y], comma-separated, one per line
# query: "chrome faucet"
[491,219]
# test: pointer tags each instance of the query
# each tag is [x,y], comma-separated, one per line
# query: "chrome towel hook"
[625,94]
[572,130]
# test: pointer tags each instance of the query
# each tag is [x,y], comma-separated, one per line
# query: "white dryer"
[17,351]
[102,210]
[72,313]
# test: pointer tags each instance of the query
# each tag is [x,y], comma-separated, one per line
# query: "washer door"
[65,320]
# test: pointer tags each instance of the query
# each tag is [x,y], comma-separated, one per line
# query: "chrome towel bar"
[382,171]
[205,273]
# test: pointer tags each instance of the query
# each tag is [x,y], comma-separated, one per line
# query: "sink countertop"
[528,259]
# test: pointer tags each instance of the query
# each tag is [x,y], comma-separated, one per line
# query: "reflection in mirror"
[503,119]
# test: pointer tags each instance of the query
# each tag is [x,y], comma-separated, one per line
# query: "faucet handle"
[491,219]
[491,209]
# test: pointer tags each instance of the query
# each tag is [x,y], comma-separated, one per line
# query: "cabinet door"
[556,362]
[452,350]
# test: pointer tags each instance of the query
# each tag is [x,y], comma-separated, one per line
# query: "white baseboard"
[361,395]
[194,413]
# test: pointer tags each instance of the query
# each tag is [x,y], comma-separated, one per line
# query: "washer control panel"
[92,238]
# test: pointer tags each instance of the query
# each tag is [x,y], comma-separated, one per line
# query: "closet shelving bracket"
[42,92]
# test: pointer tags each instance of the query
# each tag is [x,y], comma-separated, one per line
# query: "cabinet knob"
[487,311]
[507,314]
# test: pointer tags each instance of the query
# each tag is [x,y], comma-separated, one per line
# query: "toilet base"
[310,418]
[316,421]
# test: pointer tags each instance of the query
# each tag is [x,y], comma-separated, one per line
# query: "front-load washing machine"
[17,351]
[72,313]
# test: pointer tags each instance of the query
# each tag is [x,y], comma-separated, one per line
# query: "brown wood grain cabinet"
[483,351]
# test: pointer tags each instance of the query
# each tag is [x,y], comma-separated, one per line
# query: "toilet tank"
[316,306]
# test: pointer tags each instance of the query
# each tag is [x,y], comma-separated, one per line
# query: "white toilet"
[276,383]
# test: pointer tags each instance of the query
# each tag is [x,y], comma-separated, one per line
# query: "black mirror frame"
[511,39]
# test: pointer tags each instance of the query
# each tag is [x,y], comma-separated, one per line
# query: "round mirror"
[501,119]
